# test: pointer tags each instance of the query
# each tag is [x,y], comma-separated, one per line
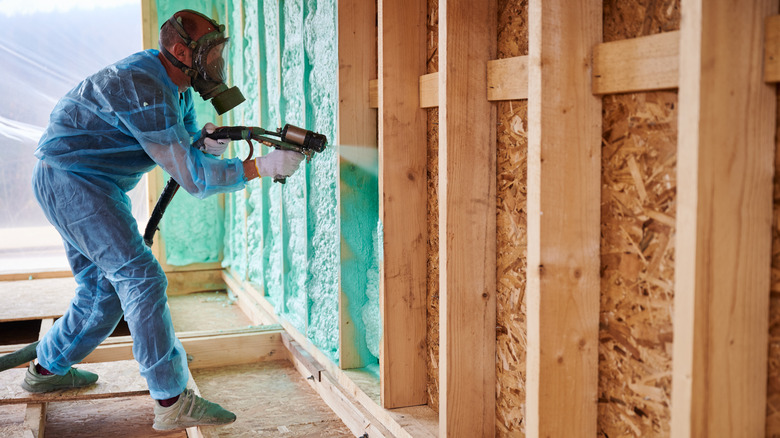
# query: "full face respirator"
[208,65]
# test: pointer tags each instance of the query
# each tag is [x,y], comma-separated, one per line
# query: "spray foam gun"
[289,138]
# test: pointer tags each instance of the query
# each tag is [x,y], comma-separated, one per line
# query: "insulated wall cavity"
[321,79]
[288,238]
[191,228]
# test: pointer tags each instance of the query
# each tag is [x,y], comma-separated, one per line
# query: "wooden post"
[403,203]
[564,193]
[724,216]
[467,220]
[357,127]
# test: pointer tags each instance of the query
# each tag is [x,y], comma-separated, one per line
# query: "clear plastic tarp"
[48,47]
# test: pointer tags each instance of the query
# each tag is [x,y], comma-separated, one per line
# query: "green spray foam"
[271,192]
[192,228]
[321,83]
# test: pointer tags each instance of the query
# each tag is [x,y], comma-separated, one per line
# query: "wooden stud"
[724,216]
[35,413]
[403,204]
[564,193]
[357,127]
[467,220]
[35,419]
[637,64]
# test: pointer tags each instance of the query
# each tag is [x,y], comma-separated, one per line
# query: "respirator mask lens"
[211,63]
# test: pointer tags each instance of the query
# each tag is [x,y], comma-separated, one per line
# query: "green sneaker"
[34,382]
[190,410]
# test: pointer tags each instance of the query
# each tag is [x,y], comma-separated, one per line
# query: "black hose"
[154,220]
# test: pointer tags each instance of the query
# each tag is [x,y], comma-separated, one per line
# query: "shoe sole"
[185,426]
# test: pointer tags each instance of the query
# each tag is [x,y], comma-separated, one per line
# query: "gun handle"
[280,179]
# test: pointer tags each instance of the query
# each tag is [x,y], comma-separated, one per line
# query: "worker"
[102,137]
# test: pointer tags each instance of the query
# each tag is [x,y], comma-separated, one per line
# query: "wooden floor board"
[270,399]
[117,379]
[35,299]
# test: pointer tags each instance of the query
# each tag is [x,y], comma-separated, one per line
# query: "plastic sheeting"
[45,53]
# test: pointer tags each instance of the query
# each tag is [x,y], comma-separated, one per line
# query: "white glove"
[209,145]
[278,163]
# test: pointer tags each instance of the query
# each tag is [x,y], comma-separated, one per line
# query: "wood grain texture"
[35,299]
[116,379]
[726,147]
[357,126]
[507,78]
[637,64]
[402,210]
[772,49]
[564,168]
[467,220]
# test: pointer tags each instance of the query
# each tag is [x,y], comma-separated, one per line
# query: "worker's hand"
[278,163]
[209,145]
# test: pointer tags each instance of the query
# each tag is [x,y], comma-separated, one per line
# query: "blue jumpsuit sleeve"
[151,113]
[190,118]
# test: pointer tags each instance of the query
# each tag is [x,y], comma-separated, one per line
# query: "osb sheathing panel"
[638,205]
[433,215]
[773,384]
[511,244]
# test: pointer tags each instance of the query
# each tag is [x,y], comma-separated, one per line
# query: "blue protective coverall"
[102,137]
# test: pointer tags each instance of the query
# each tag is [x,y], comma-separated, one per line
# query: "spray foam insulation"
[287,238]
[191,228]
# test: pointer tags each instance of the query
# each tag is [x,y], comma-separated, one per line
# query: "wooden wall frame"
[357,125]
[467,220]
[402,203]
[725,168]
[564,194]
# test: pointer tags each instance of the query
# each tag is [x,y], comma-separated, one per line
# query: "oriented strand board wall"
[511,245]
[637,248]
[433,216]
[773,385]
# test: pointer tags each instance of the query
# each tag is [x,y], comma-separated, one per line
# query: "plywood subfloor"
[116,379]
[36,299]
[127,417]
[270,399]
[206,311]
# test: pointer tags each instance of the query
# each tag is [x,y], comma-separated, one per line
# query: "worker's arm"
[152,114]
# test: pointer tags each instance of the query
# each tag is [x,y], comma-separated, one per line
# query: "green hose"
[19,357]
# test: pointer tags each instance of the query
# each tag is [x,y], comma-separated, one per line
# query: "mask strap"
[178,64]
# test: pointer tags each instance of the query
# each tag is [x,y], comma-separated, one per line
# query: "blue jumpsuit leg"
[91,317]
[94,216]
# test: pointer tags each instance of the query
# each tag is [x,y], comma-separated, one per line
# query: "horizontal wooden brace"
[208,349]
[772,49]
[637,64]
[633,65]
